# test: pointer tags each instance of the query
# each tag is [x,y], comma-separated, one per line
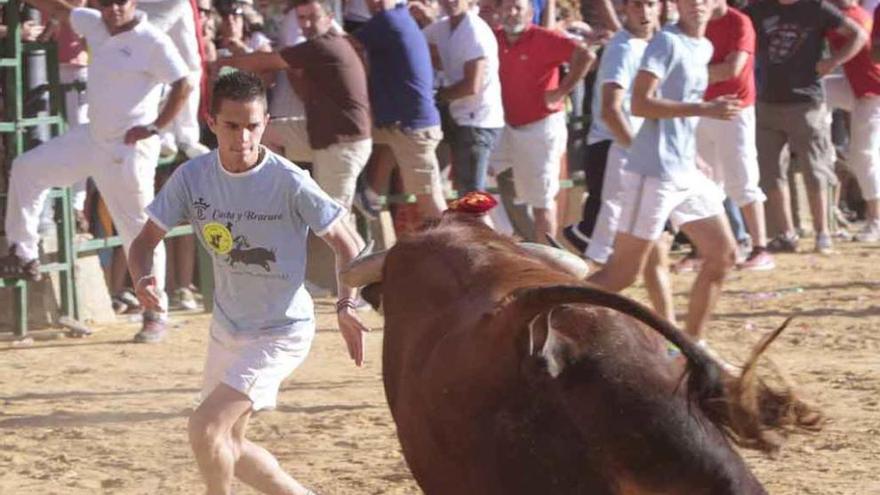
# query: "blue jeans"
[737,225]
[471,147]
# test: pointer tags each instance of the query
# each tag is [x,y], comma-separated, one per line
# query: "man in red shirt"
[535,133]
[875,37]
[728,146]
[858,92]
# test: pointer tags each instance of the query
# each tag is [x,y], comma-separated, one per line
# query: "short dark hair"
[327,5]
[240,86]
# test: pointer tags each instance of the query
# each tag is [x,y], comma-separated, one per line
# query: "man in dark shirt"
[790,108]
[336,99]
[401,93]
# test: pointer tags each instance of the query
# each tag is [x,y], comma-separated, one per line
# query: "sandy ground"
[101,415]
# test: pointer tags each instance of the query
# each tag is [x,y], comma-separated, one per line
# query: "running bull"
[506,374]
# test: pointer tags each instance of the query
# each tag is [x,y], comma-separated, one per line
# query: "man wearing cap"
[118,148]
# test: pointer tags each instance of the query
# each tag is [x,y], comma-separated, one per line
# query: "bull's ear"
[557,349]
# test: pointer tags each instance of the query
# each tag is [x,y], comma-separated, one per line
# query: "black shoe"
[11,266]
[573,242]
[784,244]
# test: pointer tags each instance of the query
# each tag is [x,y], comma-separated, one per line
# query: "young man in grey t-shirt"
[661,180]
[252,211]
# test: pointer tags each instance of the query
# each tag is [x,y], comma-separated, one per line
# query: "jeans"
[471,147]
[737,225]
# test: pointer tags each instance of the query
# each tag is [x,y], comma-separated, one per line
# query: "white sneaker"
[185,299]
[869,233]
[193,150]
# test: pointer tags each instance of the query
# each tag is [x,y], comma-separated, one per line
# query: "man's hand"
[137,133]
[825,66]
[723,108]
[147,293]
[552,97]
[354,333]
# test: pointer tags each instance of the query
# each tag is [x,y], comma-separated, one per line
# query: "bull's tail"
[753,411]
[745,408]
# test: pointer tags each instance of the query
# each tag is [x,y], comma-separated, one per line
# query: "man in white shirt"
[464,48]
[130,61]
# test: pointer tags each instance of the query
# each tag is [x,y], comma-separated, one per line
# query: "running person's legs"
[217,436]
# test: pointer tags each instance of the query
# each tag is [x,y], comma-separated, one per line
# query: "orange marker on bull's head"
[476,204]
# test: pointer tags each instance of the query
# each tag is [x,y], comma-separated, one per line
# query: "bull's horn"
[559,259]
[363,270]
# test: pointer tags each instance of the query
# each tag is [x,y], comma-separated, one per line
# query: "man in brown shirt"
[333,88]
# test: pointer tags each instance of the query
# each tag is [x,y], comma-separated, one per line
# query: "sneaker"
[193,150]
[168,150]
[574,241]
[869,233]
[118,305]
[824,244]
[367,201]
[690,263]
[152,330]
[185,298]
[758,260]
[128,298]
[11,266]
[784,243]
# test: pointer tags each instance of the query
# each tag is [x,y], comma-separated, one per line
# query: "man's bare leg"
[258,468]
[753,214]
[779,205]
[219,452]
[818,198]
[545,223]
[713,239]
[656,275]
[625,264]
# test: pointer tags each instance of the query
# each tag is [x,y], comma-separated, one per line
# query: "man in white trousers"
[118,148]
[858,92]
[177,19]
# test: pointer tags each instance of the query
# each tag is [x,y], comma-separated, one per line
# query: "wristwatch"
[153,129]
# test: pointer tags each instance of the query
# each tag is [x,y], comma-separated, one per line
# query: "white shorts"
[649,202]
[728,146]
[534,152]
[253,366]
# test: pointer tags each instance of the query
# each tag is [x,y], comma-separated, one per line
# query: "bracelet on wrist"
[345,302]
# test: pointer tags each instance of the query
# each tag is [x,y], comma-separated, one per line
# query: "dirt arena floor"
[101,415]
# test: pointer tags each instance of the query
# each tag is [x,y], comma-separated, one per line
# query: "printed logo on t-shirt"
[200,206]
[783,40]
[243,252]
[218,237]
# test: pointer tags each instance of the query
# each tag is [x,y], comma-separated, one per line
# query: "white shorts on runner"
[534,152]
[254,366]
[649,202]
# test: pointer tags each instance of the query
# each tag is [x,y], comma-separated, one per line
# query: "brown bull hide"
[505,375]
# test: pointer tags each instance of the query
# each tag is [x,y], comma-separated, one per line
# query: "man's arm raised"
[255,62]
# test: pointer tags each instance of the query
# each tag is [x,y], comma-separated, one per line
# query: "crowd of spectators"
[380,96]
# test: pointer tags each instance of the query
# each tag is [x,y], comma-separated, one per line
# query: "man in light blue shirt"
[662,180]
[252,211]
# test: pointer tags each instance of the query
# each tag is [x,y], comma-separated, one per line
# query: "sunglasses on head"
[107,3]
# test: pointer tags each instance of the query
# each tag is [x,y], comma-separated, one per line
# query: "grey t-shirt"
[619,65]
[790,43]
[666,148]
[254,225]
